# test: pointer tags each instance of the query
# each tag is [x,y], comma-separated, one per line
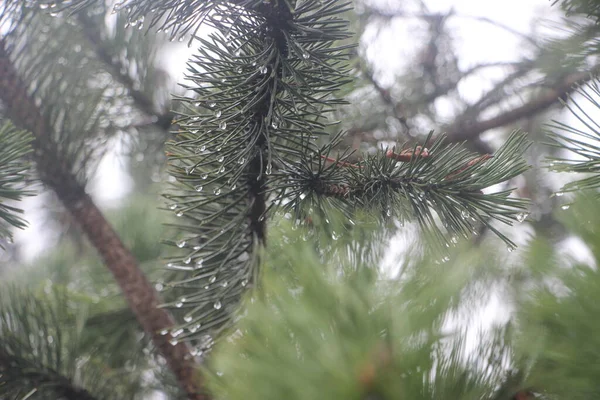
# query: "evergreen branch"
[582,142]
[323,329]
[181,17]
[13,171]
[41,356]
[119,73]
[472,129]
[264,81]
[590,8]
[443,180]
[55,171]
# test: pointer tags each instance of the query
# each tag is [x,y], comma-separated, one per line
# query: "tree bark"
[56,172]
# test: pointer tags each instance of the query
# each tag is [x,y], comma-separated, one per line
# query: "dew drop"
[521,217]
[217,191]
[335,236]
[173,342]
[199,188]
[203,148]
[275,123]
[212,279]
[181,244]
[187,260]
[464,214]
[218,113]
[187,318]
[217,305]
[224,283]
[179,214]
[510,249]
[173,206]
[212,104]
[287,216]
[269,169]
[263,70]
[222,169]
[164,332]
[199,262]
[221,159]
[305,55]
[241,160]
[238,69]
[179,304]
[565,207]
[223,125]
[245,282]
[159,287]
[559,194]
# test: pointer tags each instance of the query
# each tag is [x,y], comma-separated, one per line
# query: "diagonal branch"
[470,131]
[56,172]
[141,100]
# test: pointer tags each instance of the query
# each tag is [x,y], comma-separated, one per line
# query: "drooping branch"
[56,172]
[263,84]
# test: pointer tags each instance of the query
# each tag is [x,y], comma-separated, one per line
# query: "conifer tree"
[294,309]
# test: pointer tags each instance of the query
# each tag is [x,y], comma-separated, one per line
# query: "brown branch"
[462,132]
[56,172]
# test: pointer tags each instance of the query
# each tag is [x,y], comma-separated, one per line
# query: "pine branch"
[264,81]
[328,329]
[116,68]
[582,142]
[41,354]
[446,181]
[14,146]
[55,172]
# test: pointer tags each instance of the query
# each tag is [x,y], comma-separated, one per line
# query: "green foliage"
[557,321]
[110,73]
[444,188]
[316,331]
[259,105]
[15,145]
[44,354]
[590,8]
[250,145]
[582,140]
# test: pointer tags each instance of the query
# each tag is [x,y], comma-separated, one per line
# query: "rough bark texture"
[56,173]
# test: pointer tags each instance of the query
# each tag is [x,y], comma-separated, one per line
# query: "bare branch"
[469,131]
